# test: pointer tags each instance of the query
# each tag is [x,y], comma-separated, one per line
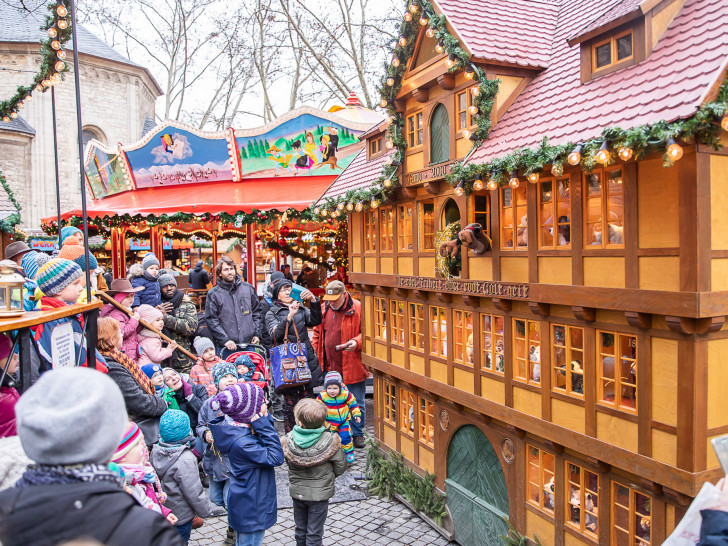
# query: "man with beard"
[180,320]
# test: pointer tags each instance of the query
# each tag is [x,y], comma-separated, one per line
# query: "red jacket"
[352,367]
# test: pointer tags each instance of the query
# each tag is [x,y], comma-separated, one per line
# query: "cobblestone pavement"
[368,522]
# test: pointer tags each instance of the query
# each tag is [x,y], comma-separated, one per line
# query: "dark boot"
[230,538]
[359,442]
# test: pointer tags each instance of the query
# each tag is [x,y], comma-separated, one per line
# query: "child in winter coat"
[151,350]
[156,376]
[123,292]
[201,372]
[246,435]
[314,459]
[246,369]
[177,468]
[151,295]
[340,407]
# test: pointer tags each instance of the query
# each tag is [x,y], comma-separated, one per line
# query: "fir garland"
[8,224]
[420,14]
[58,28]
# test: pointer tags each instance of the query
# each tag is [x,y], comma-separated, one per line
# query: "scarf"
[150,277]
[306,437]
[138,473]
[176,298]
[43,474]
[144,382]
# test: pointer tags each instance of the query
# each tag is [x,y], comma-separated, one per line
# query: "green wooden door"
[477,495]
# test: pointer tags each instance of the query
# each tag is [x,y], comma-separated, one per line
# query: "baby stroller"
[258,355]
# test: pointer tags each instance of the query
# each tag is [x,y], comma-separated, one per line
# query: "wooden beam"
[433,187]
[503,305]
[638,320]
[708,325]
[472,301]
[587,314]
[541,309]
[421,94]
[446,81]
[680,325]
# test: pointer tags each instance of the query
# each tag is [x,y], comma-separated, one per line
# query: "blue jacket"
[216,467]
[714,528]
[252,504]
[151,295]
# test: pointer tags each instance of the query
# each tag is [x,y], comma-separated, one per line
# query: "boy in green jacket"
[314,459]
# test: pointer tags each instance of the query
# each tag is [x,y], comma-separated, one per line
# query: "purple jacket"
[129,327]
[8,398]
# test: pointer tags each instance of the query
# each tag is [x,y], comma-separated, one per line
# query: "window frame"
[440,107]
[380,318]
[421,225]
[397,320]
[438,338]
[604,207]
[415,130]
[460,337]
[472,212]
[370,231]
[469,123]
[631,514]
[405,234]
[386,230]
[493,343]
[567,370]
[375,146]
[618,384]
[407,425]
[389,415]
[426,422]
[418,334]
[540,505]
[527,380]
[514,206]
[583,491]
[556,201]
[613,51]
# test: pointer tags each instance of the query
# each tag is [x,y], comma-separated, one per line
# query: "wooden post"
[250,242]
[214,253]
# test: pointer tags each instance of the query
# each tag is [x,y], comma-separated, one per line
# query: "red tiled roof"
[618,9]
[516,32]
[670,84]
[359,174]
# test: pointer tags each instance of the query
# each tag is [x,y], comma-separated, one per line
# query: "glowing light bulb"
[439,47]
[469,73]
[6,119]
[383,103]
[389,144]
[316,210]
[62,24]
[390,120]
[533,177]
[359,207]
[472,110]
[61,54]
[13,115]
[478,185]
[395,62]
[724,122]
[557,169]
[408,16]
[387,183]
[21,105]
[349,207]
[467,134]
[514,182]
[451,61]
[424,21]
[625,153]
[60,65]
[390,82]
[340,206]
[61,10]
[603,154]
[475,91]
[402,41]
[674,150]
[52,32]
[55,44]
[575,156]
[492,185]
[430,33]
[39,87]
[459,189]
[413,7]
[374,204]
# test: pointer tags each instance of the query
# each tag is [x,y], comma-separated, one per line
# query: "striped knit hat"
[75,252]
[241,401]
[333,378]
[221,369]
[132,435]
[57,274]
[29,264]
[67,231]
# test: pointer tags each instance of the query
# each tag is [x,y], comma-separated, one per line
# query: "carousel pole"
[250,242]
[91,332]
[55,159]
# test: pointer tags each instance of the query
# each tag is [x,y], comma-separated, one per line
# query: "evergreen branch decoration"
[514,538]
[8,224]
[58,28]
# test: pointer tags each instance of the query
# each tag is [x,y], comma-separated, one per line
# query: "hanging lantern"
[674,150]
[603,153]
[340,207]
[21,105]
[61,10]
[467,133]
[11,290]
[478,185]
[6,119]
[533,177]
[514,182]
[575,156]
[625,153]
[13,115]
[390,120]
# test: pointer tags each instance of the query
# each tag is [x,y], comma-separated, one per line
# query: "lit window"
[554,213]
[380,319]
[480,211]
[462,337]
[417,326]
[540,471]
[582,501]
[386,227]
[407,412]
[493,354]
[527,351]
[631,516]
[396,321]
[438,335]
[375,146]
[414,130]
[427,422]
[611,51]
[568,359]
[604,208]
[390,403]
[617,363]
[514,219]
[427,225]
[370,231]
[404,227]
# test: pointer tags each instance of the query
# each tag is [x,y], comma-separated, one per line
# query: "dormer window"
[614,50]
[375,146]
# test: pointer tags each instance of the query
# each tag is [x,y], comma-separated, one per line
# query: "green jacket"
[312,471]
[179,324]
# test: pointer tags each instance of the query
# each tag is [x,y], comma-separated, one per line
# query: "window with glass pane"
[370,231]
[480,211]
[375,146]
[462,337]
[567,344]
[462,103]
[540,479]
[514,219]
[427,225]
[390,403]
[554,213]
[396,321]
[582,501]
[386,229]
[492,344]
[380,319]
[414,129]
[418,128]
[527,351]
[438,335]
[617,364]
[407,412]
[612,51]
[404,227]
[427,422]
[439,135]
[624,47]
[604,212]
[631,517]
[603,55]
[417,326]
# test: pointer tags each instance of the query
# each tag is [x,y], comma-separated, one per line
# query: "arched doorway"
[477,495]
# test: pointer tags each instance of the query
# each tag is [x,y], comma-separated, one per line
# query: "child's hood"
[163,458]
[320,452]
[225,435]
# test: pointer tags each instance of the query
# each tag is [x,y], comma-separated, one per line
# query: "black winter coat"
[232,311]
[45,515]
[275,321]
[140,405]
[199,279]
[714,528]
[192,406]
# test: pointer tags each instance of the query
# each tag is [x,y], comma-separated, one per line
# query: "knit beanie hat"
[202,344]
[27,262]
[222,369]
[166,280]
[56,275]
[333,378]
[132,435]
[150,369]
[67,231]
[174,425]
[41,259]
[241,401]
[75,252]
[149,259]
[71,416]
[278,285]
[245,360]
[148,313]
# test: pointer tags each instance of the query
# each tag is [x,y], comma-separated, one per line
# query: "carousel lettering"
[480,288]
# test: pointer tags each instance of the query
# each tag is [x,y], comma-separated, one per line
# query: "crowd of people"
[178,402]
